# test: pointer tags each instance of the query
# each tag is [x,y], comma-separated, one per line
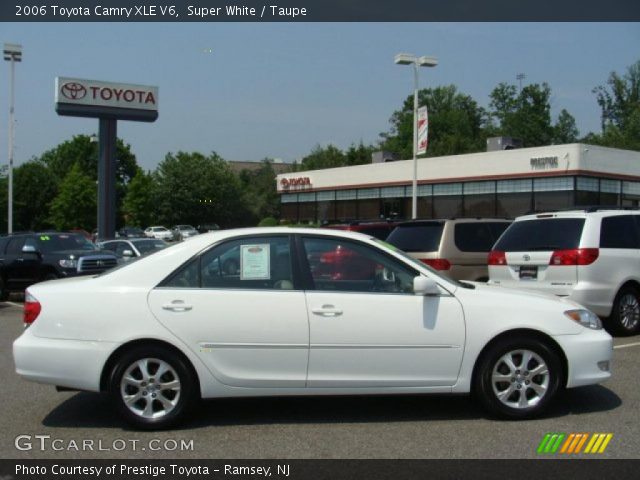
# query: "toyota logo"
[73,91]
[526,258]
[100,263]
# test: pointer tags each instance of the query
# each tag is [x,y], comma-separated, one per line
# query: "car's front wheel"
[154,387]
[518,378]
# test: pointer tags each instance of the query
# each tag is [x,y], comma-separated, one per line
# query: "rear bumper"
[589,356]
[73,364]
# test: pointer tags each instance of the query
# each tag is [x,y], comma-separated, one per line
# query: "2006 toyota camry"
[307,312]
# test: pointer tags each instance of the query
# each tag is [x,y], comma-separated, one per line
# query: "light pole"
[13,54]
[410,59]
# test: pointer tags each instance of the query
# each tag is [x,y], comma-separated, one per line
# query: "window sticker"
[44,238]
[255,262]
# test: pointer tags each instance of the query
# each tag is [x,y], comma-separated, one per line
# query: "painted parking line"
[625,345]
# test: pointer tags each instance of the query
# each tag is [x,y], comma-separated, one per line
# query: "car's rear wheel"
[518,378]
[625,315]
[154,387]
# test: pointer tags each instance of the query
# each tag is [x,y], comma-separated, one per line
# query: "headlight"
[585,318]
[68,263]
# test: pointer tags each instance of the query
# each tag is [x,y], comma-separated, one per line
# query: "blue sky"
[278,90]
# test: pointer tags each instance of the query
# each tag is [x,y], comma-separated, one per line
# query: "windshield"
[56,242]
[541,235]
[148,246]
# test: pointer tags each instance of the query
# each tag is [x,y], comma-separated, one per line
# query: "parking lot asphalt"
[38,422]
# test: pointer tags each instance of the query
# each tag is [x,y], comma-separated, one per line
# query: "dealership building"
[501,183]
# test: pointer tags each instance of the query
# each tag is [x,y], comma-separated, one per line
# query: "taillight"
[574,256]
[32,309]
[437,263]
[496,257]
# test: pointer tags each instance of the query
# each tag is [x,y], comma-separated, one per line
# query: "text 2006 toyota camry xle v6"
[306,312]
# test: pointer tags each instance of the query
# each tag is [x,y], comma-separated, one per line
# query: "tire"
[4,293]
[625,314]
[512,387]
[148,402]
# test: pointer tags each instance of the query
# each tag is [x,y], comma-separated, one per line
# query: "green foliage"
[139,204]
[260,193]
[33,191]
[82,151]
[268,222]
[197,189]
[619,102]
[565,129]
[323,157]
[75,204]
[455,124]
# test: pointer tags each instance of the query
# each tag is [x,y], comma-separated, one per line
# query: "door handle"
[327,311]
[177,306]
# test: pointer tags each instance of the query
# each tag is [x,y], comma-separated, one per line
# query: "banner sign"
[423,130]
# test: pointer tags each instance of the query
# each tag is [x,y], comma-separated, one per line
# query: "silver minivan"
[589,256]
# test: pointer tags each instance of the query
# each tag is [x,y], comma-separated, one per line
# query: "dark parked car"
[131,232]
[379,229]
[133,248]
[28,258]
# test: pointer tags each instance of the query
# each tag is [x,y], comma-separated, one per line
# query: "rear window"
[380,233]
[422,237]
[478,237]
[542,234]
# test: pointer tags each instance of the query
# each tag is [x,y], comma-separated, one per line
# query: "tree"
[359,155]
[565,129]
[323,157]
[139,204]
[195,189]
[525,115]
[33,192]
[259,186]
[619,102]
[82,151]
[75,205]
[455,124]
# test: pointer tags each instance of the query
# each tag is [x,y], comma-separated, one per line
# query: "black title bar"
[318,10]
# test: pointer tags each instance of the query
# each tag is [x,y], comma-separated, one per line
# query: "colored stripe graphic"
[573,443]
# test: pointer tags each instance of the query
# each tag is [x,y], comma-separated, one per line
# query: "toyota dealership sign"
[92,98]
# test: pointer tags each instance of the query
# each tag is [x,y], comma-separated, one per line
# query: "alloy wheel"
[520,379]
[150,388]
[629,311]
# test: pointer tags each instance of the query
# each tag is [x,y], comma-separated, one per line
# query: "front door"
[368,329]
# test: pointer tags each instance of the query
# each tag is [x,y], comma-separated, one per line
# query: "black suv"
[27,258]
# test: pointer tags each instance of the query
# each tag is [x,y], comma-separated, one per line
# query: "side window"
[473,237]
[348,266]
[122,246]
[15,246]
[248,263]
[618,232]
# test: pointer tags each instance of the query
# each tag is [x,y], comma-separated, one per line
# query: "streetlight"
[410,59]
[12,53]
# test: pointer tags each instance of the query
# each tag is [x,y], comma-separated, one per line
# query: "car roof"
[579,213]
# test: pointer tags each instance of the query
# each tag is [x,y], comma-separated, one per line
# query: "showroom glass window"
[339,265]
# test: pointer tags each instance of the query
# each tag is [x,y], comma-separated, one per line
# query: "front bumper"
[588,355]
[73,364]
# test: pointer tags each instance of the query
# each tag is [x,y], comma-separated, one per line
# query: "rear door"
[540,254]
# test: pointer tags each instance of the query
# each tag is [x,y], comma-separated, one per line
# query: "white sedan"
[307,312]
[159,233]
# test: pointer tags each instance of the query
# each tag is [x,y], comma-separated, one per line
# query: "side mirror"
[425,286]
[29,249]
[127,253]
